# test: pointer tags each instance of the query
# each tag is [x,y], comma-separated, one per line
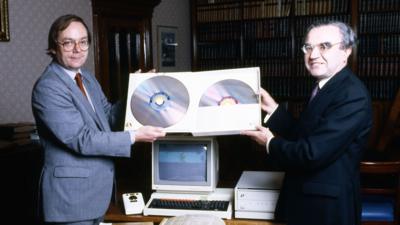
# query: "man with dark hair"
[74,121]
[320,152]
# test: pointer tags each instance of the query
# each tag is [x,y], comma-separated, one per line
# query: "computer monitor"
[185,164]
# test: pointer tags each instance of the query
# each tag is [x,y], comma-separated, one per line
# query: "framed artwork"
[4,30]
[167,43]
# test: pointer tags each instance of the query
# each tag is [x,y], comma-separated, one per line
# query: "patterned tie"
[314,92]
[78,79]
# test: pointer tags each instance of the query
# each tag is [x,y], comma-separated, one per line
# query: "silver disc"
[228,92]
[160,101]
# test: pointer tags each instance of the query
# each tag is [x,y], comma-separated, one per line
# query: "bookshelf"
[379,46]
[269,34]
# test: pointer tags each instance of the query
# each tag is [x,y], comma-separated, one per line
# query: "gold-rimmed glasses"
[69,44]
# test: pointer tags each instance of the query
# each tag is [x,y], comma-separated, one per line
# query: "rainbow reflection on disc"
[228,92]
[160,101]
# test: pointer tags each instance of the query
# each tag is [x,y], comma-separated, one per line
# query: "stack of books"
[17,133]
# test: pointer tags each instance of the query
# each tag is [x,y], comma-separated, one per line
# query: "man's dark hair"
[58,26]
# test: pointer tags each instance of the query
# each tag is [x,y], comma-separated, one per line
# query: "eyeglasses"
[69,45]
[322,47]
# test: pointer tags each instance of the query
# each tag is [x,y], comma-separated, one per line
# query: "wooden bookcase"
[269,34]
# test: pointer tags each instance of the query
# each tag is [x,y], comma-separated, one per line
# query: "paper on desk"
[193,220]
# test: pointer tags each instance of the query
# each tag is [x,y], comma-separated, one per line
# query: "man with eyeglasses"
[320,152]
[74,121]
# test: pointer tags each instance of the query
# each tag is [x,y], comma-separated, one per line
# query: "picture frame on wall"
[4,25]
[167,42]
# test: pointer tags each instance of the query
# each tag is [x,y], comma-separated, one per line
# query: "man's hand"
[268,104]
[261,135]
[149,134]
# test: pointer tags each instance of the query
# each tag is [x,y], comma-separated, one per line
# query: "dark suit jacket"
[78,171]
[320,153]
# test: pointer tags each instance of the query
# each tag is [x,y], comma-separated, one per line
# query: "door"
[122,49]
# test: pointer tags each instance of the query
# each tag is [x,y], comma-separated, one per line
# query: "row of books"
[275,68]
[300,69]
[288,87]
[379,44]
[266,9]
[388,22]
[369,23]
[321,7]
[17,133]
[222,50]
[273,28]
[226,12]
[384,89]
[382,67]
[219,31]
[252,49]
[280,28]
[213,64]
[210,11]
[265,48]
[378,5]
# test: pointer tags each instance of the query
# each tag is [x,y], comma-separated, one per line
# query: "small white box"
[256,194]
[133,203]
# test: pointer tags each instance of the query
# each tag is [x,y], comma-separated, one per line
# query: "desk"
[115,214]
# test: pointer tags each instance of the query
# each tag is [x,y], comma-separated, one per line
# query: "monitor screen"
[184,164]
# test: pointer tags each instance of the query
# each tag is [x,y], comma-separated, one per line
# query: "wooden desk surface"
[116,214]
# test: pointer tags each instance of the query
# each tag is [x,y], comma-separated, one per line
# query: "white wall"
[174,13]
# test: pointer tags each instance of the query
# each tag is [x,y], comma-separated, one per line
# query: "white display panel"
[208,103]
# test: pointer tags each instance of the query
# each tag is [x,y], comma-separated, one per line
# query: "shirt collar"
[323,81]
[71,73]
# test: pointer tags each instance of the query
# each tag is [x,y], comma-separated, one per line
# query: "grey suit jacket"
[78,171]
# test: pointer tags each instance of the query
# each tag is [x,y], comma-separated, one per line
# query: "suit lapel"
[331,85]
[334,83]
[76,92]
[96,101]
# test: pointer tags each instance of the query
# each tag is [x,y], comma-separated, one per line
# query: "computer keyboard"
[213,205]
[217,203]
